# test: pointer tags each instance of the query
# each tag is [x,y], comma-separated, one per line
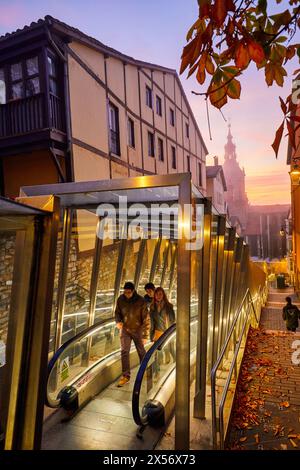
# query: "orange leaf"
[188,53]
[278,138]
[219,12]
[243,439]
[242,56]
[269,73]
[285,404]
[256,52]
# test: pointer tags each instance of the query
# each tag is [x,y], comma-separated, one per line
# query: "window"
[158,106]
[53,78]
[149,97]
[2,87]
[114,137]
[150,144]
[24,77]
[131,139]
[187,130]
[188,161]
[219,198]
[160,150]
[200,174]
[172,117]
[174,165]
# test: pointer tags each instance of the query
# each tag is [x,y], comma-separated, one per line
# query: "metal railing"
[237,335]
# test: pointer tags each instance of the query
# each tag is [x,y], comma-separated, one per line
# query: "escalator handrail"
[75,339]
[142,369]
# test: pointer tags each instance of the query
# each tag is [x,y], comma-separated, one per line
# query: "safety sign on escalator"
[64,369]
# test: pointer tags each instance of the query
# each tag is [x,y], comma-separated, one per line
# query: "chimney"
[216,160]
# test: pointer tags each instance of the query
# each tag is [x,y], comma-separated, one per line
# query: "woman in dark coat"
[161,314]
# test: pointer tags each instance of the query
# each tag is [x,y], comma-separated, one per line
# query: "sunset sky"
[155,32]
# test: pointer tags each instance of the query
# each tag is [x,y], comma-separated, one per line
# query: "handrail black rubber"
[75,338]
[139,378]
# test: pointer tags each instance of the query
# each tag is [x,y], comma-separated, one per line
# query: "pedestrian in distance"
[290,315]
[133,322]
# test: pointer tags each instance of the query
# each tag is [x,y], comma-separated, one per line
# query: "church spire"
[230,152]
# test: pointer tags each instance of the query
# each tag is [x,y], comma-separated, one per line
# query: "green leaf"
[281,39]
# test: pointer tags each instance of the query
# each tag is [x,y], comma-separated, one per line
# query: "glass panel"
[130,261]
[106,281]
[53,86]
[212,280]
[7,250]
[16,72]
[2,87]
[146,265]
[17,91]
[79,356]
[32,86]
[161,364]
[52,67]
[55,291]
[32,66]
[82,251]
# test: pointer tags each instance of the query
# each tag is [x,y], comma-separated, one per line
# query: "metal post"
[165,263]
[203,297]
[155,258]
[138,269]
[94,280]
[182,391]
[63,272]
[172,269]
[119,272]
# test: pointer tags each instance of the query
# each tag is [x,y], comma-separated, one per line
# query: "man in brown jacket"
[133,321]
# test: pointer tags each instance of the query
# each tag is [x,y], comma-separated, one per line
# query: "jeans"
[126,339]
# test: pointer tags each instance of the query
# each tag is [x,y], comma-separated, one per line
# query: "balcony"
[28,116]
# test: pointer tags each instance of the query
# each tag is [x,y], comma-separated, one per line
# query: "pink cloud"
[11,15]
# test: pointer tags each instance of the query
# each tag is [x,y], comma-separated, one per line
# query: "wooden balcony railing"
[27,115]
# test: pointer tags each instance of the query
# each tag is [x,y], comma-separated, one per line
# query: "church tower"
[236,196]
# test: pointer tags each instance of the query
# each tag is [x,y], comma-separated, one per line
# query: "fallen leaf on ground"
[256,437]
[285,404]
[283,446]
[243,439]
[293,443]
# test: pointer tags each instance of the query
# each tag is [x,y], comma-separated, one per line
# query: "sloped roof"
[213,171]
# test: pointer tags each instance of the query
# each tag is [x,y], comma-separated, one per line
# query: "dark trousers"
[126,339]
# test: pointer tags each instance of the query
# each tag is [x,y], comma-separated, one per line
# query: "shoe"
[123,380]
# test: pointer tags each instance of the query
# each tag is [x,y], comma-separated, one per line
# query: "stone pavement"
[266,413]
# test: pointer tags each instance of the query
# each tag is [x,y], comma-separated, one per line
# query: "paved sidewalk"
[266,413]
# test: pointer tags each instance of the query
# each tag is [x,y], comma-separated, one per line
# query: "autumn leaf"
[278,138]
[280,72]
[256,52]
[217,94]
[234,92]
[257,439]
[285,404]
[210,68]
[242,58]
[293,443]
[243,439]
[219,12]
[189,52]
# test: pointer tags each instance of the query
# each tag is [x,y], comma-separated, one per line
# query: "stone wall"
[7,248]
